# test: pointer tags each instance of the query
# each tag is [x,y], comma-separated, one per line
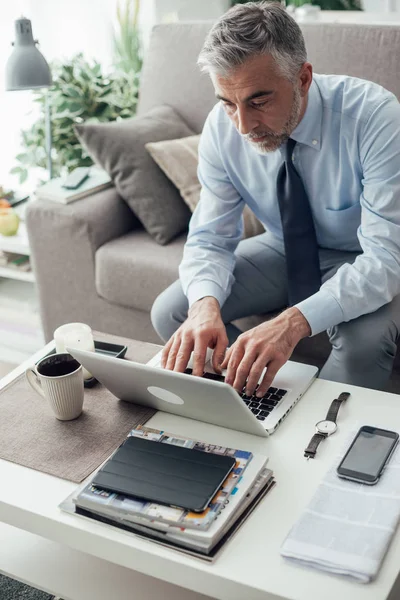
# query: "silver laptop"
[206,398]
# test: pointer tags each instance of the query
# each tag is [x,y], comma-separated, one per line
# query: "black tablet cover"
[164,473]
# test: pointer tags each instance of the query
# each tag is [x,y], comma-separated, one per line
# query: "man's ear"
[305,78]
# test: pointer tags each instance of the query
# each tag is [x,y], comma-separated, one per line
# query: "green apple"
[9,222]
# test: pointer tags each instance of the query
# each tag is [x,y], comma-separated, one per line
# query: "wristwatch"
[326,427]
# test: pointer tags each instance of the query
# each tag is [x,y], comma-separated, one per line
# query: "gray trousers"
[363,350]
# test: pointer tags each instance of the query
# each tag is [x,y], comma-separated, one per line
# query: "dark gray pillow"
[119,148]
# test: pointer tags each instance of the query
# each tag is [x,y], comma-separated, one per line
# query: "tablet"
[164,473]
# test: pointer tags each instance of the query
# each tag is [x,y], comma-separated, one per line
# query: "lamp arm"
[48,135]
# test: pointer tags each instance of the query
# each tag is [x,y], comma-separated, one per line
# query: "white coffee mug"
[59,379]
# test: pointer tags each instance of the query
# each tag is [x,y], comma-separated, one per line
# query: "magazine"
[200,543]
[196,534]
[54,190]
[137,510]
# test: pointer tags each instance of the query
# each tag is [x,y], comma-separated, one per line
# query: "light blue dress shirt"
[348,157]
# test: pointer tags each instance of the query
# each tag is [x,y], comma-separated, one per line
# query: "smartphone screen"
[367,455]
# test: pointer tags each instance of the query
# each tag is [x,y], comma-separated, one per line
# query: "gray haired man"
[317,159]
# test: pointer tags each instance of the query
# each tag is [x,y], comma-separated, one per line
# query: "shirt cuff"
[201,289]
[322,311]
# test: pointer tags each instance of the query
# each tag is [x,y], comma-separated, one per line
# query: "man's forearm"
[208,303]
[295,323]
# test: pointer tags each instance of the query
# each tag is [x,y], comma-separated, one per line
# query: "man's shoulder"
[353,97]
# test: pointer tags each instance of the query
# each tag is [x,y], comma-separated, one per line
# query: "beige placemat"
[31,436]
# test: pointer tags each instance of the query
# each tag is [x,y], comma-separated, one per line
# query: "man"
[317,159]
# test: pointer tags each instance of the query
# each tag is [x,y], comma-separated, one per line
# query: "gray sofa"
[94,263]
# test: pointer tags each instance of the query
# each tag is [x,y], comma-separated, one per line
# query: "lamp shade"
[26,67]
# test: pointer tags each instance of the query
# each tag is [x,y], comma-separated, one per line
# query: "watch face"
[327,427]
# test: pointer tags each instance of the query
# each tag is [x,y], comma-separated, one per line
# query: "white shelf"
[20,245]
[15,274]
[16,243]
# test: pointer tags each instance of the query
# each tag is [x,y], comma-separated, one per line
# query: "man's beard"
[274,140]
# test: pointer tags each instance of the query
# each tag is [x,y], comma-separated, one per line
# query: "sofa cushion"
[133,270]
[119,147]
[179,161]
[170,74]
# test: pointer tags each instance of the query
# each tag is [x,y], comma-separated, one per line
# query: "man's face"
[264,106]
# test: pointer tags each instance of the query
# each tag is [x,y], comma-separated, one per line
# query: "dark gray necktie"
[301,248]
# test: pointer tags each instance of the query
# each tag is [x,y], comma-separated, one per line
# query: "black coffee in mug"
[58,365]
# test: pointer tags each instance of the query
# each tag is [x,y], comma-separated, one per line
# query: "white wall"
[65,27]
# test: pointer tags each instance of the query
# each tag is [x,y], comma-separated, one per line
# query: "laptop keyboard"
[261,407]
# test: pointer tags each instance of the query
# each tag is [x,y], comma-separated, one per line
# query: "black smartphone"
[76,178]
[368,455]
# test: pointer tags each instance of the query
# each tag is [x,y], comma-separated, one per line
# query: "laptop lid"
[191,397]
[291,382]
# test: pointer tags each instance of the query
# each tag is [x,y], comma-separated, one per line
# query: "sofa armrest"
[63,241]
[101,217]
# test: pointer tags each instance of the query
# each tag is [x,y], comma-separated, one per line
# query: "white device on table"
[368,455]
[199,398]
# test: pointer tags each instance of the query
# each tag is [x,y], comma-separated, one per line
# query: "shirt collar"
[308,131]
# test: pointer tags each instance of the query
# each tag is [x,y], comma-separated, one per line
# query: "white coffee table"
[79,559]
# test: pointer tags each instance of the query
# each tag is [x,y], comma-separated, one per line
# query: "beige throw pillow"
[178,159]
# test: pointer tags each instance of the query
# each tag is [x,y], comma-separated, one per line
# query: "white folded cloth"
[347,527]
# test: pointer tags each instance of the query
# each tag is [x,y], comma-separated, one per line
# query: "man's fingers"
[219,353]
[254,375]
[225,362]
[236,355]
[243,369]
[173,353]
[199,356]
[165,352]
[183,355]
[272,369]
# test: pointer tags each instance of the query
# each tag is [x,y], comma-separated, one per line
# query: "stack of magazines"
[197,533]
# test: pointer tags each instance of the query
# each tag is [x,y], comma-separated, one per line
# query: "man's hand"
[202,329]
[267,345]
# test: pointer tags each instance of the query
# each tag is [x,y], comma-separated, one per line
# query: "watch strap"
[334,407]
[311,449]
